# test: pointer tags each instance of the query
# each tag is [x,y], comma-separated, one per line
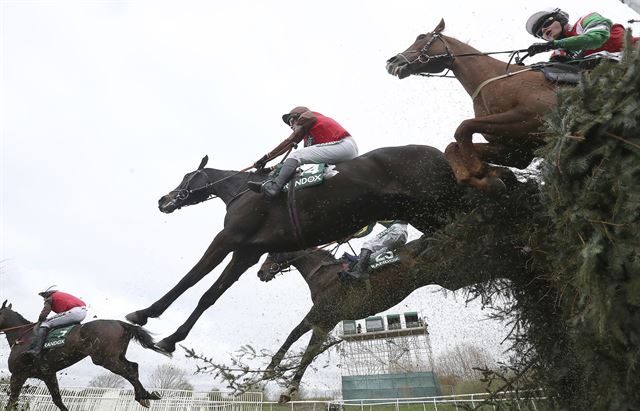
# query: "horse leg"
[460,170]
[314,348]
[240,262]
[51,381]
[508,125]
[129,371]
[15,386]
[215,253]
[295,334]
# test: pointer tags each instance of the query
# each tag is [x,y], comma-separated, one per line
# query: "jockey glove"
[259,165]
[536,48]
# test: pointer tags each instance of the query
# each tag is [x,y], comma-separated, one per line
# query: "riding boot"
[360,271]
[38,341]
[272,188]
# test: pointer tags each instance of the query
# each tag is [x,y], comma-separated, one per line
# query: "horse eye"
[420,37]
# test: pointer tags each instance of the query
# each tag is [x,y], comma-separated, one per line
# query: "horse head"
[429,53]
[192,190]
[274,264]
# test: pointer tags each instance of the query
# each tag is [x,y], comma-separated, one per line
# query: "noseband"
[423,55]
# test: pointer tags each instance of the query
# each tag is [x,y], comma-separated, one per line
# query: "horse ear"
[439,27]
[10,305]
[4,304]
[203,163]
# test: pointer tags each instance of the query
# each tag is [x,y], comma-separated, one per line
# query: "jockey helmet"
[46,293]
[538,19]
[293,114]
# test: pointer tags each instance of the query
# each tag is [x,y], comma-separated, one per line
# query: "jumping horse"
[413,183]
[509,103]
[389,285]
[105,341]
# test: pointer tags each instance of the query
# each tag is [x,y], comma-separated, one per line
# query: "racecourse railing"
[37,398]
[522,401]
[108,399]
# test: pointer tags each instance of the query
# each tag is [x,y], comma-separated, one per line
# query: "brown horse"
[508,101]
[412,183]
[105,341]
[389,285]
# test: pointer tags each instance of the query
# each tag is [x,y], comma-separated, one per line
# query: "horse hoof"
[166,347]
[493,186]
[136,318]
[284,398]
[145,403]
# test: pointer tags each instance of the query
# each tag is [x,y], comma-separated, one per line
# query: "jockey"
[68,309]
[592,38]
[325,141]
[393,237]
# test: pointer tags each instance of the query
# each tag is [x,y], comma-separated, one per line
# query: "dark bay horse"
[508,108]
[413,183]
[389,285]
[105,341]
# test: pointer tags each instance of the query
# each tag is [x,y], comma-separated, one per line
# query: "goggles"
[547,22]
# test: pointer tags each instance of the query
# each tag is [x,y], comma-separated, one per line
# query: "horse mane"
[18,316]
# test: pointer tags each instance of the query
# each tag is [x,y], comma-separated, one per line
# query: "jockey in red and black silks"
[325,141]
[68,309]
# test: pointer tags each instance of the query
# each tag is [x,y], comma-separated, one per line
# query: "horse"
[389,285]
[508,101]
[105,341]
[413,183]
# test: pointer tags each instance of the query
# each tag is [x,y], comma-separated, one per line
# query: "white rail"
[113,399]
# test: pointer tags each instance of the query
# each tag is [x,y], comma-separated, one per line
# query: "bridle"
[183,193]
[425,57]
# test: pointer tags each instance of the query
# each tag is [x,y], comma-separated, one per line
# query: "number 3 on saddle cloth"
[308,175]
[383,259]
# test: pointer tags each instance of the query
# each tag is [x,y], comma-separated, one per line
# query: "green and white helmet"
[537,19]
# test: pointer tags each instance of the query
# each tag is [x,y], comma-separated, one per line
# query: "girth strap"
[293,213]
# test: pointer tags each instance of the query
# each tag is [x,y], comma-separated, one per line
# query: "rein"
[184,193]
[424,57]
[4,330]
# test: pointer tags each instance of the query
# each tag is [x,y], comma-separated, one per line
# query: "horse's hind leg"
[15,385]
[216,252]
[241,260]
[52,384]
[129,371]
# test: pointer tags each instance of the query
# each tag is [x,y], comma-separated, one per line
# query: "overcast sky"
[105,105]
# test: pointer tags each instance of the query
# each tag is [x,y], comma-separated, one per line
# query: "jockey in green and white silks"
[592,36]
[392,237]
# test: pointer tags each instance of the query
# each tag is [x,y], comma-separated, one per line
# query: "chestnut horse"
[413,183]
[509,103]
[105,341]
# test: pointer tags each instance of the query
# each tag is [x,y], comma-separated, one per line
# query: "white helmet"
[534,23]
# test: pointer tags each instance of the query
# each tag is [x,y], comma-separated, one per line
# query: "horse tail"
[143,337]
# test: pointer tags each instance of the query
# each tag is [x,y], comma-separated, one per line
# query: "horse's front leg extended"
[314,349]
[15,387]
[216,252]
[240,262]
[52,384]
[295,334]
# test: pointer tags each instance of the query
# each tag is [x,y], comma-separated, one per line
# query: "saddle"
[57,336]
[307,175]
[559,72]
